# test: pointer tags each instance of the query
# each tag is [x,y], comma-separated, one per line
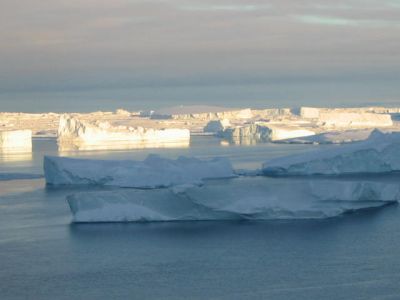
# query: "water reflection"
[16,154]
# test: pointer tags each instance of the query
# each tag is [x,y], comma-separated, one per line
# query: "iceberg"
[216,126]
[309,112]
[152,172]
[253,131]
[254,198]
[354,119]
[16,140]
[348,117]
[332,137]
[378,154]
[264,132]
[75,133]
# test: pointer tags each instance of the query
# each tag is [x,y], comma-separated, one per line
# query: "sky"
[351,46]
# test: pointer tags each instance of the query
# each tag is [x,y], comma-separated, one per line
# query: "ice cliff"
[264,132]
[83,133]
[243,198]
[17,140]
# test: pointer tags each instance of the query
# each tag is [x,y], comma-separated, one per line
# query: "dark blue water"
[44,256]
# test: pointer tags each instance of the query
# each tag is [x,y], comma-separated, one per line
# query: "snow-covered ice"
[243,198]
[152,172]
[378,154]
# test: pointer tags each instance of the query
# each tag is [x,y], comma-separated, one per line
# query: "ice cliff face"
[74,131]
[264,132]
[377,154]
[16,140]
[153,172]
[242,198]
[217,126]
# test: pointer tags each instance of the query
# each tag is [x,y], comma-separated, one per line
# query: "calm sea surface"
[44,256]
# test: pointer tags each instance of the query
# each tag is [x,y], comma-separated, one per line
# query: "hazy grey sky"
[67,44]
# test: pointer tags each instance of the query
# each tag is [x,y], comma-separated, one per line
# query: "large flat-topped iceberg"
[264,132]
[350,117]
[254,198]
[202,113]
[354,119]
[333,137]
[152,172]
[18,140]
[378,154]
[84,134]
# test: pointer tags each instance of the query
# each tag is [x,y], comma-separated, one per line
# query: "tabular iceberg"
[153,172]
[332,137]
[378,154]
[263,132]
[254,198]
[16,140]
[84,135]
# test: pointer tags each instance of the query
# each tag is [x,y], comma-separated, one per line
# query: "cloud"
[326,20]
[92,43]
[224,7]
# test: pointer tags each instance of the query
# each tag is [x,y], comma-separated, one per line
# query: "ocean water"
[45,256]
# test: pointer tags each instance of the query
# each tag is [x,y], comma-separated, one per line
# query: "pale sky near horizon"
[78,44]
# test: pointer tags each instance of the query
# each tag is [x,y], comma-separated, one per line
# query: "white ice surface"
[243,198]
[379,153]
[16,139]
[84,134]
[332,137]
[345,119]
[153,172]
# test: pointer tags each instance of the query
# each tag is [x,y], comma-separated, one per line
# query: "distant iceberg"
[262,132]
[378,154]
[332,137]
[254,198]
[74,133]
[12,141]
[153,172]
